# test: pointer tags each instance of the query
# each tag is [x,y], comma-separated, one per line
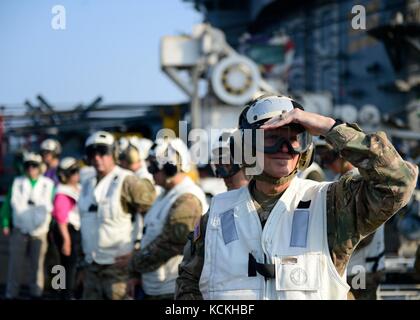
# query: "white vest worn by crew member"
[74,215]
[162,280]
[32,206]
[292,248]
[106,229]
[370,258]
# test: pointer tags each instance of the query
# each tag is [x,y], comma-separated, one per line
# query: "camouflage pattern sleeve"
[184,214]
[358,205]
[137,195]
[187,283]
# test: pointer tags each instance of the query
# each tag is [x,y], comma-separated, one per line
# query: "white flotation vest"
[74,215]
[293,245]
[106,228]
[370,258]
[162,280]
[32,206]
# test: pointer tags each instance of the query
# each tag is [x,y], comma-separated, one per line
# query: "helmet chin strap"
[264,176]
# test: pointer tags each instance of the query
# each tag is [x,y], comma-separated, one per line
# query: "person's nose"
[284,148]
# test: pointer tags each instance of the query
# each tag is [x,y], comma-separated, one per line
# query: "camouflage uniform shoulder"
[137,194]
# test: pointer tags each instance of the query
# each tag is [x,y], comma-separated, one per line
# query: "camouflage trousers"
[105,282]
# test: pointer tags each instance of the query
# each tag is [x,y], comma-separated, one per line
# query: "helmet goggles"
[296,139]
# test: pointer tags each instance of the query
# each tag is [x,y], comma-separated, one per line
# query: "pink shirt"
[62,206]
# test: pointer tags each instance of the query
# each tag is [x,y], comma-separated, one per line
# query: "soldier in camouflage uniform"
[168,223]
[108,204]
[354,208]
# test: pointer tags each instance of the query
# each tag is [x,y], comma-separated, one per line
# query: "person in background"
[6,209]
[133,155]
[66,227]
[108,202]
[50,152]
[223,161]
[31,203]
[168,222]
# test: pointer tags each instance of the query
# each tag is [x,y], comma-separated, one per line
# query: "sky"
[109,48]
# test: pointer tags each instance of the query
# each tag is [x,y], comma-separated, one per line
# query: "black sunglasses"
[31,164]
[101,150]
[73,171]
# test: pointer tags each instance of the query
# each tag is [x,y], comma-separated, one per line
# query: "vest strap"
[265,269]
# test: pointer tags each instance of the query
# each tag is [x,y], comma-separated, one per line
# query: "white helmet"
[134,149]
[222,154]
[169,155]
[100,137]
[51,145]
[67,163]
[66,168]
[143,145]
[101,142]
[32,157]
[223,141]
[267,107]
